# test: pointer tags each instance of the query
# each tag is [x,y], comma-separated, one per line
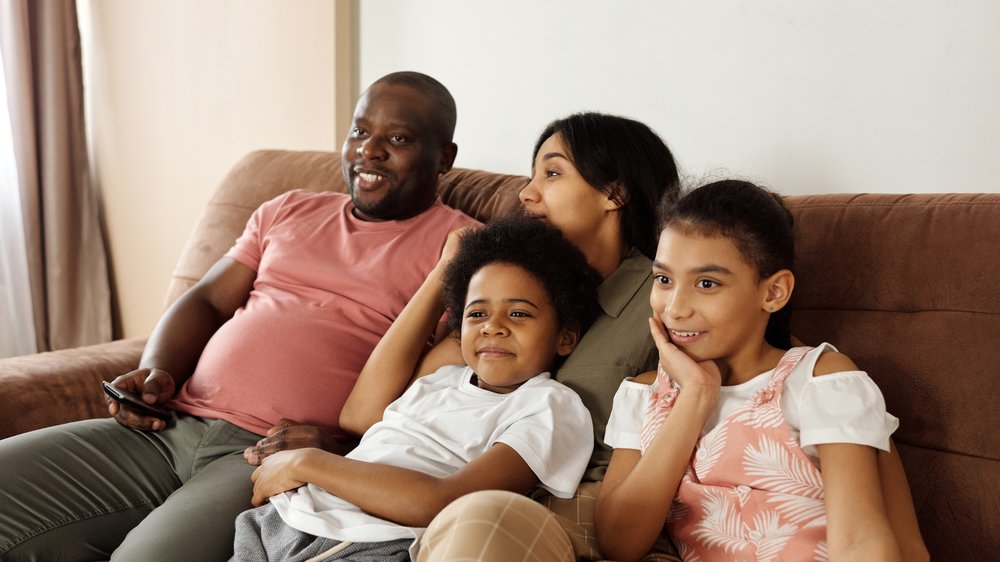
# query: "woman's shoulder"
[646,378]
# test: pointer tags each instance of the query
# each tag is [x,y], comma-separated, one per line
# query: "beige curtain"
[70,289]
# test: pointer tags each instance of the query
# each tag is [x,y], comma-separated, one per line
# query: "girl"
[746,450]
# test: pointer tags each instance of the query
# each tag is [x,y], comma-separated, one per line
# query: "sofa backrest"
[903,284]
[265,174]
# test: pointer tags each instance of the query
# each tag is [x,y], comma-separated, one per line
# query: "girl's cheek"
[656,302]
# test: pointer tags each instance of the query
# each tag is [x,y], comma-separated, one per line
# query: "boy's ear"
[778,290]
[567,341]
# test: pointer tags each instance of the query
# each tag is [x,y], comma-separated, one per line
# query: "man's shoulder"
[300,199]
[315,197]
[440,212]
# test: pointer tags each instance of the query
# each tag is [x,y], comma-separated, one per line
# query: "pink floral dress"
[749,492]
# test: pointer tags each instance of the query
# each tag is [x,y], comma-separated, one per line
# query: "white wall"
[178,92]
[804,96]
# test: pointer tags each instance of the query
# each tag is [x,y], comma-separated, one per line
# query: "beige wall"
[180,90]
[808,97]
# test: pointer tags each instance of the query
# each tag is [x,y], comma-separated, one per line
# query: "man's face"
[393,153]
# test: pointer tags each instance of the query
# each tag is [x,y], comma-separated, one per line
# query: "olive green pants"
[93,489]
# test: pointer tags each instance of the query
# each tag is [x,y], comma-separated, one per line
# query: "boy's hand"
[451,244]
[276,475]
[680,366]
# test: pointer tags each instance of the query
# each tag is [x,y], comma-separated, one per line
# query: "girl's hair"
[540,249]
[756,221]
[624,160]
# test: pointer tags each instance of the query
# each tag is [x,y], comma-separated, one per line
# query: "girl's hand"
[276,474]
[680,366]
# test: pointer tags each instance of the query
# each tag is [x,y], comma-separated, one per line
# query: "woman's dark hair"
[538,248]
[626,161]
[757,222]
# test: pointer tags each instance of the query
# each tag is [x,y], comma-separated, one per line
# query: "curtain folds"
[70,288]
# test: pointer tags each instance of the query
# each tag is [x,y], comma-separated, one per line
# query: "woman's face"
[558,194]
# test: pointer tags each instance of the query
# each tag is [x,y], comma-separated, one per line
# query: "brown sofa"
[904,284]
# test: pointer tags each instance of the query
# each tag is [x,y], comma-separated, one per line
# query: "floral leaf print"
[779,471]
[710,450]
[770,535]
[686,553]
[822,552]
[764,416]
[678,511]
[721,526]
[806,512]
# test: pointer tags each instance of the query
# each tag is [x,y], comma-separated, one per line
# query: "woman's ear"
[779,288]
[616,198]
[567,341]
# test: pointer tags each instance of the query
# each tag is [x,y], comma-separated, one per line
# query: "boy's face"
[510,331]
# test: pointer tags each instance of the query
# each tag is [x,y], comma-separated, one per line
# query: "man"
[278,329]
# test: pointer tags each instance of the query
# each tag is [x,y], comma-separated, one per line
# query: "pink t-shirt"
[328,286]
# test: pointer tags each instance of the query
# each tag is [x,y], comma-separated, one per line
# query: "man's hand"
[288,435]
[155,386]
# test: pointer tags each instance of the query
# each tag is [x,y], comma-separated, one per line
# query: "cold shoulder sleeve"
[628,414]
[845,407]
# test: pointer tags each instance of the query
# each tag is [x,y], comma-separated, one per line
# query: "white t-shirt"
[844,407]
[443,422]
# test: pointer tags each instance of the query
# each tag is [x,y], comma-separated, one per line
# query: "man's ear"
[448,154]
[778,290]
[567,341]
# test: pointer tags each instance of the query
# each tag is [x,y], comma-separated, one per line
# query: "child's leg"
[262,535]
[899,505]
[495,526]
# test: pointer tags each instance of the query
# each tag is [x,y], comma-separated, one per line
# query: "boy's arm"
[396,360]
[397,494]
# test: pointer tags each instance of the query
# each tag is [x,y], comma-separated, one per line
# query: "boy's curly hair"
[541,250]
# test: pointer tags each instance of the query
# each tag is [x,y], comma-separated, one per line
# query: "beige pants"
[506,527]
[495,526]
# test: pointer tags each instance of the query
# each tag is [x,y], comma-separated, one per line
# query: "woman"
[598,178]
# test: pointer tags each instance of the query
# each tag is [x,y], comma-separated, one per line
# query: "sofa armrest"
[61,386]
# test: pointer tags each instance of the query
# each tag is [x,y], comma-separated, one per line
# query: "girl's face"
[510,330]
[708,296]
[558,194]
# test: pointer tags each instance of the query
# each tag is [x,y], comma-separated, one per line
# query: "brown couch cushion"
[905,285]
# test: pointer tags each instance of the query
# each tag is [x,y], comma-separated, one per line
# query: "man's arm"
[180,336]
[401,495]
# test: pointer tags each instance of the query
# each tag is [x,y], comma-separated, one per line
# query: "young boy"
[522,296]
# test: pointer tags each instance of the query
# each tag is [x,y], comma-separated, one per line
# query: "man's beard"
[376,209]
